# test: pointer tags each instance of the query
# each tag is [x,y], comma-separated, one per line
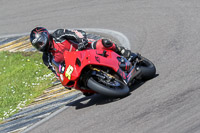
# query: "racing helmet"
[40,39]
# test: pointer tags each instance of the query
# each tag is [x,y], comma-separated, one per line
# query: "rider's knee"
[103,44]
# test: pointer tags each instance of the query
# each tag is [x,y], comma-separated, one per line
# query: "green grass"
[23,77]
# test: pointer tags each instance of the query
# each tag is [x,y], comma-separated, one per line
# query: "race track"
[165,31]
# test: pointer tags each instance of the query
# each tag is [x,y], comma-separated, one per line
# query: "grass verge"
[23,77]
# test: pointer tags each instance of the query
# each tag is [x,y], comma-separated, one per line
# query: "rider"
[53,45]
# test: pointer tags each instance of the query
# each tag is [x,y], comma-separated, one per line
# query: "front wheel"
[114,88]
[148,69]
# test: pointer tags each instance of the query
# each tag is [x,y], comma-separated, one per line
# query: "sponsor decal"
[61,77]
[79,34]
[69,71]
[97,59]
[63,69]
[122,73]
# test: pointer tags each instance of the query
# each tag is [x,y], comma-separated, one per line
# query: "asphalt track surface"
[165,31]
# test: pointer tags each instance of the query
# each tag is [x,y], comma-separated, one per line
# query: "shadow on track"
[98,99]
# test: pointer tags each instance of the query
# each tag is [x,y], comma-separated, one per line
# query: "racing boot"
[130,56]
[119,50]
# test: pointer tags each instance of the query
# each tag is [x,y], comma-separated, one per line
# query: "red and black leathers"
[64,39]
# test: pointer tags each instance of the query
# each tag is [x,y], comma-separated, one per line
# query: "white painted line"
[51,116]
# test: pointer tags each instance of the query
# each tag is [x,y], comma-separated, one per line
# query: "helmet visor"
[40,43]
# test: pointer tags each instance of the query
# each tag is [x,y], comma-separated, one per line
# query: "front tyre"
[148,69]
[114,89]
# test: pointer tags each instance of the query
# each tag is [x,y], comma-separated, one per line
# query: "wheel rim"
[107,84]
[112,83]
[107,80]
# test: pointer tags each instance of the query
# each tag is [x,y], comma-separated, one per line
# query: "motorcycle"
[103,71]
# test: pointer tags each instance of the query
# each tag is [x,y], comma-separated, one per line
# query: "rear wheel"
[107,85]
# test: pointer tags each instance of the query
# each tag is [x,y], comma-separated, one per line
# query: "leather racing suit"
[65,39]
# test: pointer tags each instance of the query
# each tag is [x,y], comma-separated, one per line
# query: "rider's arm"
[50,62]
[47,59]
[66,34]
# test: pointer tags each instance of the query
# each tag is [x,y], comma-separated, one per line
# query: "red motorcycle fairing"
[77,60]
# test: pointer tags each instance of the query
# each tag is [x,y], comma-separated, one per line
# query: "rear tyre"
[117,89]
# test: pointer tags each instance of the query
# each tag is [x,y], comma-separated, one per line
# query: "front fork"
[133,72]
